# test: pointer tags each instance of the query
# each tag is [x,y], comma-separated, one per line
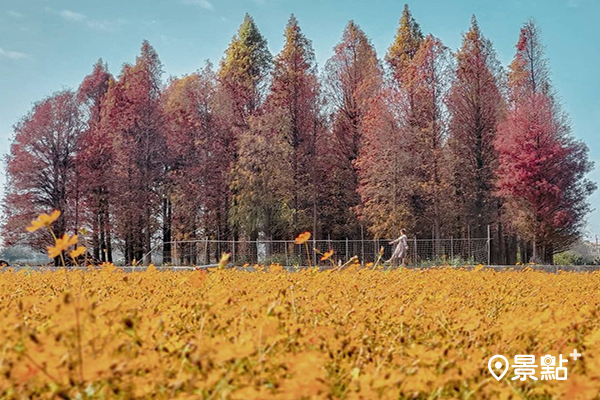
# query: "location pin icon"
[498,362]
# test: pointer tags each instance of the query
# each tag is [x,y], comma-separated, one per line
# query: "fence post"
[287,261]
[415,250]
[174,261]
[314,253]
[362,245]
[452,248]
[375,250]
[347,250]
[469,241]
[489,239]
[233,252]
[206,255]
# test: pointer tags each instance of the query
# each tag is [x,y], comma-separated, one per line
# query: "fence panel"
[421,252]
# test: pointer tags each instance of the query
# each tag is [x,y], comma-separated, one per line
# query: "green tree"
[244,72]
[406,43]
[294,94]
[262,179]
[243,79]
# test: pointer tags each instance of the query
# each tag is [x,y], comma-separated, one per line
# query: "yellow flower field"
[353,333]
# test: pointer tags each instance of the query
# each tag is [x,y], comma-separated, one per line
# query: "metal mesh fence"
[421,252]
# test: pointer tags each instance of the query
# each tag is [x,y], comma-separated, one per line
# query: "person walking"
[401,248]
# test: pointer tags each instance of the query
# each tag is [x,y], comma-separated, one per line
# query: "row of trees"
[442,144]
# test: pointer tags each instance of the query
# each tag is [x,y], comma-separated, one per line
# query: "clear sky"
[48,45]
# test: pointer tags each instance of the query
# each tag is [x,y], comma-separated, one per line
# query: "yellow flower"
[302,238]
[327,255]
[77,252]
[61,245]
[43,220]
[224,260]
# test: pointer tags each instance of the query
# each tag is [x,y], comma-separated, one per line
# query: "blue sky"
[48,45]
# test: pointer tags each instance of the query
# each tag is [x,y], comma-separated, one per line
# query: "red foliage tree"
[134,116]
[424,88]
[354,78]
[541,176]
[381,167]
[197,160]
[476,107]
[384,159]
[41,169]
[95,162]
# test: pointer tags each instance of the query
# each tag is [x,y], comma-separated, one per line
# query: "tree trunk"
[109,257]
[549,255]
[95,237]
[102,236]
[167,230]
[511,250]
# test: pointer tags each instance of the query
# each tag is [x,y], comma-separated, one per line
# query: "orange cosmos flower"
[61,245]
[327,255]
[302,238]
[43,220]
[77,252]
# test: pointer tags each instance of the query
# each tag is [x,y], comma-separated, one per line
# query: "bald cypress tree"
[133,118]
[384,163]
[95,162]
[244,72]
[243,78]
[424,125]
[295,95]
[476,106]
[542,168]
[354,78]
[406,43]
